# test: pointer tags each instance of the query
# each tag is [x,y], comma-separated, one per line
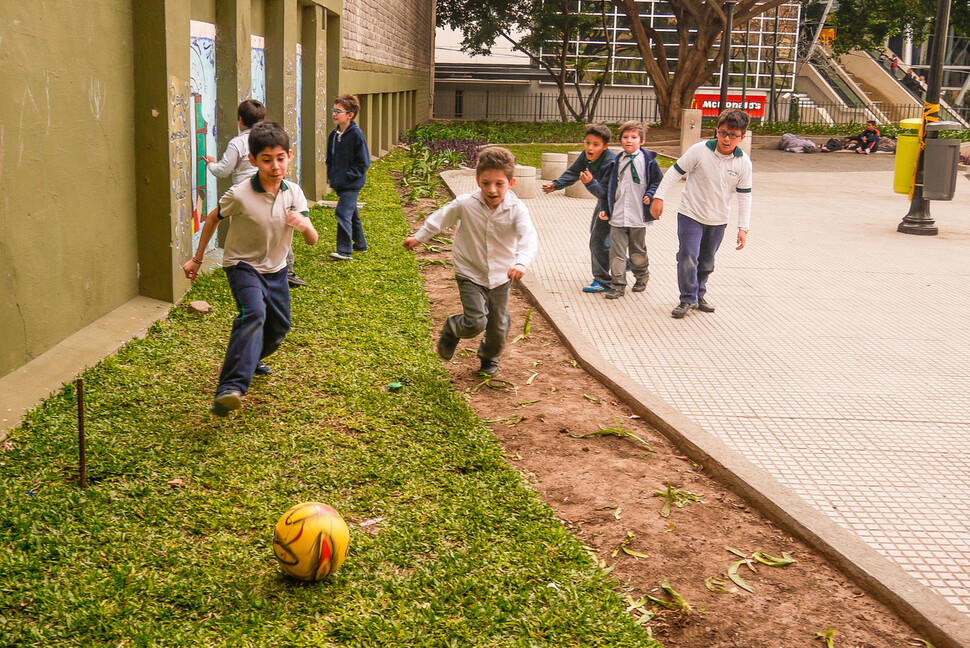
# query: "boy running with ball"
[263,213]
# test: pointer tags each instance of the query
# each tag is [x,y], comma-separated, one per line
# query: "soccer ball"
[311,541]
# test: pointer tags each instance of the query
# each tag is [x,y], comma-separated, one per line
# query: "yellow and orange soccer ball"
[311,541]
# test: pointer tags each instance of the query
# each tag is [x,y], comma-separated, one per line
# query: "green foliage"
[866,24]
[498,132]
[545,31]
[463,552]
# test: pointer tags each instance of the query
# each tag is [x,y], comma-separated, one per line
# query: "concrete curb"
[928,612]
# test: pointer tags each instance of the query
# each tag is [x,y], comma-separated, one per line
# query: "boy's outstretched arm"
[302,223]
[191,267]
[410,243]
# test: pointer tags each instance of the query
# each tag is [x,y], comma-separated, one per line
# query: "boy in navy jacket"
[636,176]
[593,169]
[347,162]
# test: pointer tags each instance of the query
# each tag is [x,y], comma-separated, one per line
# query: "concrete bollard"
[578,189]
[553,165]
[690,128]
[746,143]
[525,181]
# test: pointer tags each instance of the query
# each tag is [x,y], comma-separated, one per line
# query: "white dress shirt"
[487,241]
[628,206]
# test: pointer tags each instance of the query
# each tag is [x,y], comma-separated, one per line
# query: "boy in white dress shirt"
[494,243]
[636,176]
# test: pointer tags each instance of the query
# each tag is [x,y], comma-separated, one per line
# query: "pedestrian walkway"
[838,359]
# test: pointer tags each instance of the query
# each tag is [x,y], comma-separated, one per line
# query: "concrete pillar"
[690,128]
[370,122]
[233,70]
[577,189]
[163,151]
[386,122]
[525,181]
[553,165]
[746,143]
[315,106]
[282,20]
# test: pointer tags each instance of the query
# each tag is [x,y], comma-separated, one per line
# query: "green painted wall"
[68,249]
[204,10]
[94,138]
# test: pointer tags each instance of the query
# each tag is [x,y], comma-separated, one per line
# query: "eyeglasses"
[339,112]
[724,133]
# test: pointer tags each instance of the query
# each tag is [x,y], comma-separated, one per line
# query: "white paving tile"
[838,359]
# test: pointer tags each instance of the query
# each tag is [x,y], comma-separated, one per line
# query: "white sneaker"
[342,257]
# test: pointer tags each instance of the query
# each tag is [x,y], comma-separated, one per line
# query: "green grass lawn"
[466,553]
[531,154]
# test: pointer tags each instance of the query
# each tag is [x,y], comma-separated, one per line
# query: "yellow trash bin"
[907,155]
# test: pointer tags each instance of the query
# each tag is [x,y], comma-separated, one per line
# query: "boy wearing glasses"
[716,170]
[347,162]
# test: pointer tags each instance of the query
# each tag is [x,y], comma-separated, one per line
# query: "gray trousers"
[484,310]
[634,238]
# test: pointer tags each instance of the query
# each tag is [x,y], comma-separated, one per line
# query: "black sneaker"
[363,249]
[681,310]
[704,306]
[614,293]
[262,369]
[225,402]
[489,368]
[294,281]
[447,344]
[640,286]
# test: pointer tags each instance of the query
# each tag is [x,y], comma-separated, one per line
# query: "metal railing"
[535,106]
[501,105]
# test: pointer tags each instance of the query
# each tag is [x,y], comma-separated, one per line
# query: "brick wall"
[398,34]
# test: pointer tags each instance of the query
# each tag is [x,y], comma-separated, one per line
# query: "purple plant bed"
[469,147]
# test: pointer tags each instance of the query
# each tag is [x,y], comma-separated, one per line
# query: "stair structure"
[858,86]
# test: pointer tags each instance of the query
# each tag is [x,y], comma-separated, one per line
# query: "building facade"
[109,106]
[763,56]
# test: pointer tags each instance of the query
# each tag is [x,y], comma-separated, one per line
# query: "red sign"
[708,104]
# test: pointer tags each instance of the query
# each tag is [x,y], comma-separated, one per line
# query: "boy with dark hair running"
[263,213]
[593,169]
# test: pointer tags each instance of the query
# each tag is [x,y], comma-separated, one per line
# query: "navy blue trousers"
[695,258]
[263,301]
[350,230]
[599,248]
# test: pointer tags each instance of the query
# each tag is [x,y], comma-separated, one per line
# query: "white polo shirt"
[258,233]
[712,178]
[487,241]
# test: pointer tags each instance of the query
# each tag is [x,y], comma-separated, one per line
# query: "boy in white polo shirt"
[716,170]
[494,243]
[263,212]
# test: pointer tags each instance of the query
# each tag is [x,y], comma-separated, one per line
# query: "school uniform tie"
[633,168]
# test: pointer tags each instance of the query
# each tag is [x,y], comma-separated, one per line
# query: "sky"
[447,49]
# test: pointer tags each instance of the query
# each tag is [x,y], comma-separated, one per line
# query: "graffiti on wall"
[180,158]
[258,66]
[202,82]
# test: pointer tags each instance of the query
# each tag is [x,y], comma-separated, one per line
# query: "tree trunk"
[675,88]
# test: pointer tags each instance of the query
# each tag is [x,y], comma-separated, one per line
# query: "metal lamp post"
[726,47]
[918,220]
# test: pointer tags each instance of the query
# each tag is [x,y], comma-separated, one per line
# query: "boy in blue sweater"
[635,178]
[347,162]
[593,169]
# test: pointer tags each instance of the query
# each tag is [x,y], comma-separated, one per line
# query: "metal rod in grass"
[82,452]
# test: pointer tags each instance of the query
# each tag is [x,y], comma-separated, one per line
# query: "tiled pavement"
[839,356]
